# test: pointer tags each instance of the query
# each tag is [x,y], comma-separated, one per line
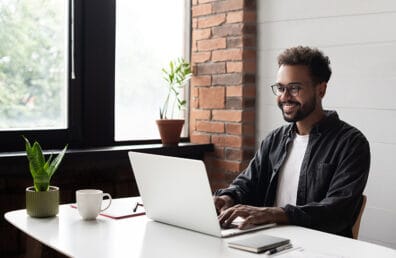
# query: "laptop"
[176,191]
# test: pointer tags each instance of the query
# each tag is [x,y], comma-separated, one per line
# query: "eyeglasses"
[292,89]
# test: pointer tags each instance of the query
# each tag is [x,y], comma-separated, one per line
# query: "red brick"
[227,79]
[234,128]
[227,115]
[227,141]
[235,42]
[235,16]
[250,41]
[214,174]
[229,166]
[218,153]
[234,29]
[200,57]
[201,34]
[249,78]
[250,67]
[231,175]
[194,103]
[249,91]
[194,97]
[202,9]
[206,1]
[234,67]
[196,115]
[249,141]
[250,17]
[244,164]
[214,185]
[194,2]
[220,169]
[203,80]
[200,138]
[248,103]
[211,127]
[249,116]
[249,54]
[249,29]
[200,114]
[234,91]
[212,97]
[249,129]
[227,55]
[210,68]
[251,5]
[211,44]
[233,154]
[234,103]
[228,5]
[194,23]
[194,46]
[211,21]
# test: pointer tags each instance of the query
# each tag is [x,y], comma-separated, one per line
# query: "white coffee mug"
[89,202]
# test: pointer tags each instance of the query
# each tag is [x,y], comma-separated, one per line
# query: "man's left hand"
[253,215]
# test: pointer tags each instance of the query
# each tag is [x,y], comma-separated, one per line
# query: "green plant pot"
[42,204]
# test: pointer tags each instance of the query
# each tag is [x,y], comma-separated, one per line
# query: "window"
[33,67]
[147,38]
[94,108]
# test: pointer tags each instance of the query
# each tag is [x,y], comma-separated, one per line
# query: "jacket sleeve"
[340,207]
[244,188]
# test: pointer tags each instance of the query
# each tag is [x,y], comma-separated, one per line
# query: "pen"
[136,206]
[278,249]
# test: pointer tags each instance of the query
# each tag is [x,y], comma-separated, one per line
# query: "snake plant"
[40,169]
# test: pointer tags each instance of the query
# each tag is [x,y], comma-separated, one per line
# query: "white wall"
[359,36]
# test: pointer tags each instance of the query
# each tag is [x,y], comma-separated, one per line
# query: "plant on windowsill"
[42,199]
[176,76]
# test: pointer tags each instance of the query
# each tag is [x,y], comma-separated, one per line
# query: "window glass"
[148,35]
[33,66]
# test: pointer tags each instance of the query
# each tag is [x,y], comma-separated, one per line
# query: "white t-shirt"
[289,173]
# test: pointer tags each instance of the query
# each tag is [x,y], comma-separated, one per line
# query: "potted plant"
[176,76]
[42,199]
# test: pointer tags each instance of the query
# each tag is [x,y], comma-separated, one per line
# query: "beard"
[301,112]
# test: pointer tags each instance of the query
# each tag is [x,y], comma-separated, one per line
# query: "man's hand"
[222,203]
[253,216]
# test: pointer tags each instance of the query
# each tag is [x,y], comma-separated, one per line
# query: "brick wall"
[223,89]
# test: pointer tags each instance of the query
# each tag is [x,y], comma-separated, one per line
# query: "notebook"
[120,209]
[260,243]
[176,191]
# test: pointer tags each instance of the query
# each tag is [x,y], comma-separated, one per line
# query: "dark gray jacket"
[333,175]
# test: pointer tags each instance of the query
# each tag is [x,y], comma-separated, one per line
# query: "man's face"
[299,107]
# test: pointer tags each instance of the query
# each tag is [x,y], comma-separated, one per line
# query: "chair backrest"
[356,226]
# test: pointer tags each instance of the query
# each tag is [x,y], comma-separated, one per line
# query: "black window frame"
[91,93]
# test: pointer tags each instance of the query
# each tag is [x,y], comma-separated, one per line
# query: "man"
[311,172]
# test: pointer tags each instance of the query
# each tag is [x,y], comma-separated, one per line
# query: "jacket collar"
[329,121]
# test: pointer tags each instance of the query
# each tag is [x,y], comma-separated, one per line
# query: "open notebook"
[121,208]
[176,191]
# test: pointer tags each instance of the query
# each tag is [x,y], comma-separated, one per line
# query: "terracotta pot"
[42,204]
[170,130]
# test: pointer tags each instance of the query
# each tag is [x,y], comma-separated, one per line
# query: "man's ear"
[322,89]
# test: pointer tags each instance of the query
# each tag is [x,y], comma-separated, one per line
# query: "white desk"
[141,237]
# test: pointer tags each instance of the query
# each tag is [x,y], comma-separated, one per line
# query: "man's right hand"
[222,203]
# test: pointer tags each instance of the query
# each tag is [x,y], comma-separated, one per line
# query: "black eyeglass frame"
[292,88]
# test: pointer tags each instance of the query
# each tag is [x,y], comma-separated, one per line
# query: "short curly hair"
[318,64]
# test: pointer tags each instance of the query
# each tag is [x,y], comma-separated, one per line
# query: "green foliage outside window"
[32,62]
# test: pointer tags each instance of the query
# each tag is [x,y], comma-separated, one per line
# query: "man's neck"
[304,126]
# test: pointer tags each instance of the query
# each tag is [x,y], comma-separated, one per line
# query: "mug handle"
[109,199]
